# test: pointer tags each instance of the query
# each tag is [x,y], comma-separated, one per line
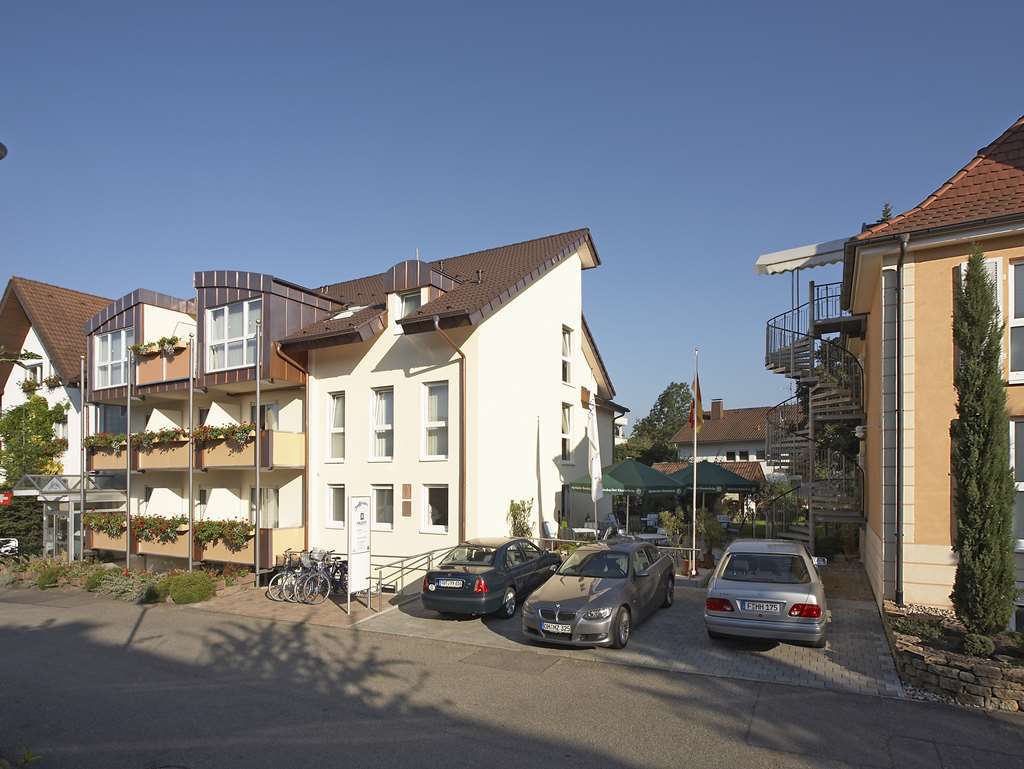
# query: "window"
[147,496]
[269,499]
[730,456]
[762,567]
[383,414]
[203,414]
[435,511]
[760,454]
[641,560]
[566,354]
[111,419]
[410,302]
[436,420]
[201,503]
[530,550]
[60,428]
[112,358]
[336,450]
[1017,461]
[335,507]
[383,514]
[231,335]
[566,433]
[34,373]
[269,413]
[744,456]
[514,557]
[1016,322]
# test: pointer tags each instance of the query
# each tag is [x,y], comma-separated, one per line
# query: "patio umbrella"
[631,477]
[714,478]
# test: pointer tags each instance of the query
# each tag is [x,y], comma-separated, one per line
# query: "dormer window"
[231,335]
[111,356]
[410,302]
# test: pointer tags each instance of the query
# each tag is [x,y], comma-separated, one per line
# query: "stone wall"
[972,681]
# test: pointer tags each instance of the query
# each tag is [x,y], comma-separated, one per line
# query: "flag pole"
[696,422]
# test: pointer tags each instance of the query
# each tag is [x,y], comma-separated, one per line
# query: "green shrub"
[156,592]
[95,579]
[48,577]
[191,587]
[977,645]
[925,628]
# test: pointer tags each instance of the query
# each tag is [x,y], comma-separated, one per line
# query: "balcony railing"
[277,449]
[156,368]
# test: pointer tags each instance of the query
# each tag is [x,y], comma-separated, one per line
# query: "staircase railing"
[828,301]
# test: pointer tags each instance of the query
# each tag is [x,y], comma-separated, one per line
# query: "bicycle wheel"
[275,588]
[316,589]
[289,590]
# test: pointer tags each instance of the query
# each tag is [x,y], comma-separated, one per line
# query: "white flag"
[594,455]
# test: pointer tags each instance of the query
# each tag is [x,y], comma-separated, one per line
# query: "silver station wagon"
[770,589]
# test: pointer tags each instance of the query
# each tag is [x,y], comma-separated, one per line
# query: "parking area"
[856,659]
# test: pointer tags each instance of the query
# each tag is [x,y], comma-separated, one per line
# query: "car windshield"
[595,563]
[470,555]
[762,567]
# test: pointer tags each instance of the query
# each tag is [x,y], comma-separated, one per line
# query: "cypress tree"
[984,590]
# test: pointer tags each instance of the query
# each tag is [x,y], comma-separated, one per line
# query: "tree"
[983,590]
[651,439]
[28,446]
[886,212]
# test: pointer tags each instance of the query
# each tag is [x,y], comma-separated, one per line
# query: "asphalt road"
[87,682]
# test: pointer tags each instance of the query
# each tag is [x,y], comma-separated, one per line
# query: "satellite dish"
[3,151]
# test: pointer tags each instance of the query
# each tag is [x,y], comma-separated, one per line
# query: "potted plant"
[29,386]
[52,382]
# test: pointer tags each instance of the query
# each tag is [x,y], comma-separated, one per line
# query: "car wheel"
[670,592]
[621,628]
[508,603]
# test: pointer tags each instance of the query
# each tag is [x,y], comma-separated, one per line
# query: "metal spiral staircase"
[805,434]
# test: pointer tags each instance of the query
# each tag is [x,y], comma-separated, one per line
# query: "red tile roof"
[990,186]
[735,426]
[751,471]
[58,316]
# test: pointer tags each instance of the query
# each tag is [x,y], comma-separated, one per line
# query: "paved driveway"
[856,658]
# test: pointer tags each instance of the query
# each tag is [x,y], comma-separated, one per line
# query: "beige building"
[884,347]
[441,390]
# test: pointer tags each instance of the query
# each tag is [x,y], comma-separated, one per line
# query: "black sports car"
[486,576]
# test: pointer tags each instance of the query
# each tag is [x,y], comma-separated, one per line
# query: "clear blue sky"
[321,141]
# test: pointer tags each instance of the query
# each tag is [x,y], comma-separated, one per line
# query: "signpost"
[358,529]
[5,498]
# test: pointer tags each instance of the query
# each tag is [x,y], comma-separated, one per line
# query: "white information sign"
[358,527]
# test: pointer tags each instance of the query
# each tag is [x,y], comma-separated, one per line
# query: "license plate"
[554,627]
[450,583]
[764,607]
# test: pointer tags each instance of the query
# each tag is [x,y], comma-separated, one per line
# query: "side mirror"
[819,561]
[644,573]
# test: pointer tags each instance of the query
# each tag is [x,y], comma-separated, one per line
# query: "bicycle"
[330,576]
[287,573]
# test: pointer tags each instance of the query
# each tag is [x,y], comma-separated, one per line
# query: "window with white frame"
[335,507]
[566,354]
[336,447]
[435,509]
[201,498]
[231,335]
[410,302]
[268,412]
[269,507]
[1017,461]
[435,420]
[382,412]
[382,499]
[566,433]
[1016,322]
[34,372]
[147,495]
[60,428]
[111,352]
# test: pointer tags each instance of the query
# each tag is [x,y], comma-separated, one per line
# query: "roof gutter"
[462,425]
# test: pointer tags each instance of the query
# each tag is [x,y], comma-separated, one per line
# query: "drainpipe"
[904,242]
[462,426]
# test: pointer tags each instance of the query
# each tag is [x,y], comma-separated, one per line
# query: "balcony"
[277,449]
[97,540]
[153,369]
[176,549]
[107,459]
[164,456]
[273,543]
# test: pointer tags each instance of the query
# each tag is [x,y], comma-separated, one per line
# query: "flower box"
[97,540]
[107,459]
[165,456]
[162,368]
[176,549]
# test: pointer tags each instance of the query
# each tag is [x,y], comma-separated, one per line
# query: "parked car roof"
[782,546]
[491,541]
[619,545]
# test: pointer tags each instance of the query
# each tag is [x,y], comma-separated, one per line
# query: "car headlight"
[597,613]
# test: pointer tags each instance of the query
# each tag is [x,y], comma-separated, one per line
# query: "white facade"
[13,395]
[731,451]
[514,428]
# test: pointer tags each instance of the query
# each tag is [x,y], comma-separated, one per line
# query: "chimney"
[717,407]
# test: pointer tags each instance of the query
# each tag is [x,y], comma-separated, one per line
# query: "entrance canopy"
[713,478]
[631,477]
[62,488]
